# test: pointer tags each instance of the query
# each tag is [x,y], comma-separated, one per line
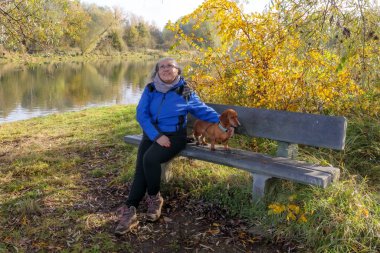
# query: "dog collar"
[222,128]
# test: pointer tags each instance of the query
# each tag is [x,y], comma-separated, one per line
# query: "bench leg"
[166,172]
[259,182]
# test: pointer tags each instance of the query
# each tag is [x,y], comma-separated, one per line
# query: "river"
[42,89]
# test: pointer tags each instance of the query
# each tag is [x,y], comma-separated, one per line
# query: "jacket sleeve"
[201,111]
[144,118]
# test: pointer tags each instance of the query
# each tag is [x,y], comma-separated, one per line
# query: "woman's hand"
[163,141]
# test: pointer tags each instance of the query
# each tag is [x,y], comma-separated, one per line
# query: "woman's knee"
[151,160]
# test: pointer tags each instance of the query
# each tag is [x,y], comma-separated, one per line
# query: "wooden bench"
[287,128]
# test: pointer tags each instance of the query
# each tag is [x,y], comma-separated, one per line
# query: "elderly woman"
[162,115]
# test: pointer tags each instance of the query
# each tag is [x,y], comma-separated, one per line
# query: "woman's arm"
[201,111]
[143,116]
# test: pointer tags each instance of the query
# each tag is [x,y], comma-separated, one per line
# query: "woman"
[161,113]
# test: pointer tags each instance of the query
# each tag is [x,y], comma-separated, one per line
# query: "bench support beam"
[287,150]
[259,184]
[166,172]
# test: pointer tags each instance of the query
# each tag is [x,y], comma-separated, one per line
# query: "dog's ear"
[224,117]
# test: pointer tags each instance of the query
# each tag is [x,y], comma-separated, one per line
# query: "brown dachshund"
[216,132]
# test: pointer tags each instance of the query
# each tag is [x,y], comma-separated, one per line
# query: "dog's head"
[229,118]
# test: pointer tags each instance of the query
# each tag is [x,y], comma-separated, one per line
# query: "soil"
[186,225]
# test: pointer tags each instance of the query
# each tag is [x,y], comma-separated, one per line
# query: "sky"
[159,12]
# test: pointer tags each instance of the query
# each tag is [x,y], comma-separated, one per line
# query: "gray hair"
[156,67]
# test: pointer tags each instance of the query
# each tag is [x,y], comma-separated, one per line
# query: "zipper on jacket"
[160,107]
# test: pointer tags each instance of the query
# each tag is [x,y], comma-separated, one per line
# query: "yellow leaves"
[290,212]
[24,220]
[362,211]
[290,216]
[259,63]
[365,212]
[294,208]
[214,230]
[276,208]
[302,219]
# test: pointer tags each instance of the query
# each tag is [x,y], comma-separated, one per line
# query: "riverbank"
[64,175]
[72,56]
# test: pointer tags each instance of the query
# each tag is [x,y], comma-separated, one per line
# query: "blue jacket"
[158,112]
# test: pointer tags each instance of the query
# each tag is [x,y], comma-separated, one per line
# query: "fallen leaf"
[167,219]
[206,247]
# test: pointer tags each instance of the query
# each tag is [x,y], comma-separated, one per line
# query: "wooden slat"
[292,127]
[258,163]
[133,139]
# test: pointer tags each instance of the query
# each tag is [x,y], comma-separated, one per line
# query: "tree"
[104,29]
[156,36]
[140,34]
[33,25]
[265,60]
[348,28]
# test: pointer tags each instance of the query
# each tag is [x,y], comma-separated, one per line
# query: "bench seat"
[258,164]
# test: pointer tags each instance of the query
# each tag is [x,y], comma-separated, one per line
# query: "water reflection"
[30,91]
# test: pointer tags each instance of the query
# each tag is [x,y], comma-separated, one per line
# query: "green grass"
[48,198]
[45,163]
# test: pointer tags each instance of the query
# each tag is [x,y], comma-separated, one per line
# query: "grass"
[44,162]
[49,167]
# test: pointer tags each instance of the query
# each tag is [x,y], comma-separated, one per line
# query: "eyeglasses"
[169,66]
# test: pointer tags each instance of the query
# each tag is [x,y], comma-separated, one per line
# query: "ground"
[186,225]
[61,183]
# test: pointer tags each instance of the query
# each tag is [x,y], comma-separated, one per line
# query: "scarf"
[164,87]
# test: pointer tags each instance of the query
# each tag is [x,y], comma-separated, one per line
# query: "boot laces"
[153,203]
[125,213]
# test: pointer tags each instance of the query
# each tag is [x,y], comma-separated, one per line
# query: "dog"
[216,132]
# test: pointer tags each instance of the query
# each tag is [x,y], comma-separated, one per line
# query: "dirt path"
[186,225]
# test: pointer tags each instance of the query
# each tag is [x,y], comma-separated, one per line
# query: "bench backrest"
[291,127]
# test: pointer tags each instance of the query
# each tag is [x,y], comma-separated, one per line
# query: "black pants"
[148,165]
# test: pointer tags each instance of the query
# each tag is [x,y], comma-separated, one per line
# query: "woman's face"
[167,71]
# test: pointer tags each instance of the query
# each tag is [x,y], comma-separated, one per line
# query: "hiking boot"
[155,203]
[127,219]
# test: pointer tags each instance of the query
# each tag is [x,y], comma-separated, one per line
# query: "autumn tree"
[104,30]
[265,60]
[40,24]
[157,36]
[168,38]
[348,28]
[138,33]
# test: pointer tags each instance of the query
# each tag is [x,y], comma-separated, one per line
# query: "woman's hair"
[156,67]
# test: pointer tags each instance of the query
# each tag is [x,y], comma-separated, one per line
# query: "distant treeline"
[71,27]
